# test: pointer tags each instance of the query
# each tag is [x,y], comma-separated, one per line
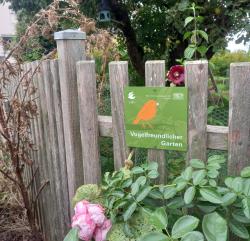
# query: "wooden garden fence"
[68,126]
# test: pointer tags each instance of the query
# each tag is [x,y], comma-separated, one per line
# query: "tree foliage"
[154,29]
[222,60]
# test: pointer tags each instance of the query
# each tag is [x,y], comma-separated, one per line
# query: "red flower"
[176,74]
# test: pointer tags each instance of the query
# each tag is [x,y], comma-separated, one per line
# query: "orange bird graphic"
[146,113]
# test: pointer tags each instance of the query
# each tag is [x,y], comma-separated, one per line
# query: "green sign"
[156,117]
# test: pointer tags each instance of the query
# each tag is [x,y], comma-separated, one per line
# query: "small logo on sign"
[131,95]
[178,96]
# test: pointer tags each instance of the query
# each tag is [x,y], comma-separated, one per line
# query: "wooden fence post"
[155,76]
[86,79]
[196,79]
[239,118]
[71,48]
[118,72]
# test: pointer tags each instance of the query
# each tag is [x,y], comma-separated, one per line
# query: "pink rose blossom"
[91,221]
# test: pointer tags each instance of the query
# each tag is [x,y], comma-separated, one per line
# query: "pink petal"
[96,213]
[101,232]
[81,207]
[86,226]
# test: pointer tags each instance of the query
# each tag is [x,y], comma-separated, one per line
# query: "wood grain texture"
[86,79]
[57,177]
[45,154]
[118,72]
[50,145]
[239,118]
[217,137]
[39,152]
[61,165]
[69,52]
[196,79]
[105,126]
[155,76]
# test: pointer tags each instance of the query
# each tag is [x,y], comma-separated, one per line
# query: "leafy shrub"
[194,206]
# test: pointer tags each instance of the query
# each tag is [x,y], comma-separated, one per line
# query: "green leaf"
[212,183]
[72,235]
[184,225]
[200,19]
[189,52]
[153,174]
[128,213]
[159,218]
[246,207]
[193,236]
[187,35]
[188,20]
[189,195]
[187,174]
[181,185]
[210,195]
[220,159]
[127,230]
[238,229]
[169,192]
[202,50]
[214,227]
[134,188]
[228,199]
[120,203]
[137,170]
[118,194]
[206,208]
[176,203]
[154,236]
[229,181]
[196,163]
[239,216]
[246,187]
[212,173]
[213,166]
[156,194]
[237,184]
[203,34]
[198,176]
[127,183]
[152,166]
[245,172]
[143,193]
[141,181]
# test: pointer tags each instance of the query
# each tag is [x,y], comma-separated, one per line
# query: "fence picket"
[239,118]
[45,155]
[118,72]
[155,76]
[86,79]
[196,78]
[62,166]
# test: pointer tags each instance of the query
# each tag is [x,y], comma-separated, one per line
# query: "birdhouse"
[104,14]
